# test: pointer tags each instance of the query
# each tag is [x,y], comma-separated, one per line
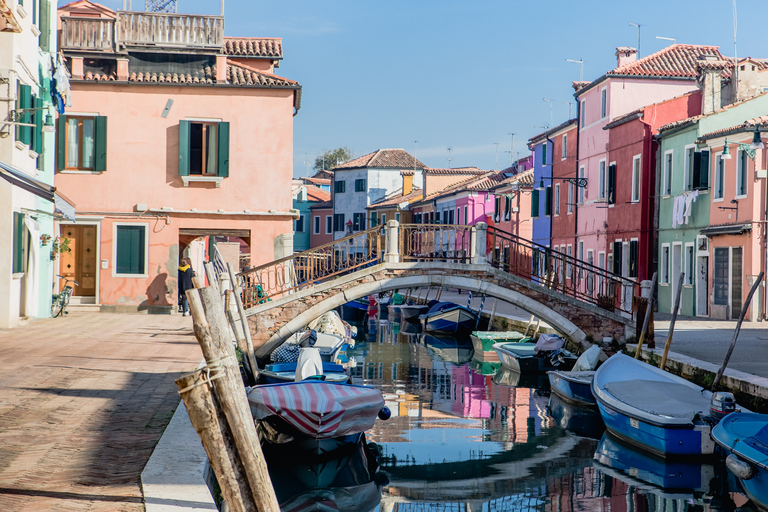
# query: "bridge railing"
[292,273]
[435,242]
[560,272]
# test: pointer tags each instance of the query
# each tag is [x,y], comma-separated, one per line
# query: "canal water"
[468,435]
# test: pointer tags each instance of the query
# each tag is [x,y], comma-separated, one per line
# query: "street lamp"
[579,182]
[749,149]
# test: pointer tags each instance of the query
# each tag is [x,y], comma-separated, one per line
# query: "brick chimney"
[709,81]
[407,182]
[625,55]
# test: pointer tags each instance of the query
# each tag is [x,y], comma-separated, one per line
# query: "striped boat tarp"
[318,409]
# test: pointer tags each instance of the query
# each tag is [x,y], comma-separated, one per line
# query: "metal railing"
[435,242]
[87,33]
[162,29]
[307,268]
[560,272]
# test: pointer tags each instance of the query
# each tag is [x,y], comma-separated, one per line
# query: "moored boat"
[451,349]
[355,310]
[526,358]
[412,312]
[483,341]
[286,372]
[654,409]
[744,437]
[582,421]
[574,387]
[448,318]
[329,346]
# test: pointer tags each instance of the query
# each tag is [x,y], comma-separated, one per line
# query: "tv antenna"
[160,6]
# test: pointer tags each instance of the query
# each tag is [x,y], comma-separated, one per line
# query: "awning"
[64,206]
[42,190]
[8,22]
[730,229]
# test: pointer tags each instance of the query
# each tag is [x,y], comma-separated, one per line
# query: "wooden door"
[80,263]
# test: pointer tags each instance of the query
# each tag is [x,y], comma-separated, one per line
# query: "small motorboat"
[582,421]
[412,312]
[448,318]
[545,354]
[483,341]
[355,310]
[514,379]
[574,387]
[744,437]
[660,412]
[286,372]
[331,323]
[451,349]
[313,416]
[329,345]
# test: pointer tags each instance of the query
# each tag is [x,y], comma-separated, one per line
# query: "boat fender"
[721,404]
[738,467]
[385,413]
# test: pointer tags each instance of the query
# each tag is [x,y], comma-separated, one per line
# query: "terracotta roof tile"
[524,178]
[579,84]
[693,119]
[397,197]
[317,194]
[543,135]
[205,75]
[677,60]
[239,75]
[383,159]
[253,47]
[453,171]
[747,126]
[467,184]
[322,205]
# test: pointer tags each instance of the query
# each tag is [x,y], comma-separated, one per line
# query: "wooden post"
[244,320]
[736,332]
[672,323]
[493,314]
[648,309]
[210,273]
[212,333]
[211,426]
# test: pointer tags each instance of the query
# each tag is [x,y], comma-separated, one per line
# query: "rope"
[213,364]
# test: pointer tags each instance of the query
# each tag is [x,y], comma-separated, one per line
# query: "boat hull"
[520,357]
[573,387]
[411,312]
[452,320]
[745,435]
[483,341]
[286,372]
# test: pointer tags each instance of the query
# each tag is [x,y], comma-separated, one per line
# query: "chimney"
[625,55]
[407,182]
[709,81]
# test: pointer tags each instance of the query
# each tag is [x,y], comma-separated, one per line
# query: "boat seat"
[670,399]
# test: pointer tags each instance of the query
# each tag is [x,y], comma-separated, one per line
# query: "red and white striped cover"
[318,409]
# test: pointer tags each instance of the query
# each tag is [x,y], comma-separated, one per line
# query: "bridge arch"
[336,298]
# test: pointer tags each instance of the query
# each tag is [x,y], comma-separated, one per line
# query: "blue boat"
[355,310]
[582,421]
[654,409]
[449,318]
[574,387]
[744,436]
[286,372]
[524,358]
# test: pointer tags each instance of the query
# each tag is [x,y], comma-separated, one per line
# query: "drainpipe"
[576,189]
[648,150]
[763,248]
[552,183]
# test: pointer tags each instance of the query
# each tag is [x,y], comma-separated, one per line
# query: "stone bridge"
[578,300]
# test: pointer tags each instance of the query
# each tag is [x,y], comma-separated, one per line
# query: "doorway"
[677,269]
[702,287]
[80,262]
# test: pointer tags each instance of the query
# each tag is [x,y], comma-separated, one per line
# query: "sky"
[451,81]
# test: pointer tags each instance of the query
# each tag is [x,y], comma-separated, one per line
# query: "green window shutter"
[18,242]
[535,203]
[704,173]
[37,145]
[222,163]
[612,184]
[100,144]
[45,31]
[24,133]
[130,250]
[617,248]
[544,154]
[184,141]
[548,201]
[61,143]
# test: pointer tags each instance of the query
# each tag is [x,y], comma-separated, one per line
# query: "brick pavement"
[83,401]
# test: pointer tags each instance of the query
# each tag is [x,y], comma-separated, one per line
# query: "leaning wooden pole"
[672,323]
[212,333]
[648,309]
[211,425]
[243,320]
[736,332]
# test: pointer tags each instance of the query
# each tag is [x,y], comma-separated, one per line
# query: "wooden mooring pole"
[672,323]
[648,309]
[249,352]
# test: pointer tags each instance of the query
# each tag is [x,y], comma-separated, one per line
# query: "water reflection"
[467,434]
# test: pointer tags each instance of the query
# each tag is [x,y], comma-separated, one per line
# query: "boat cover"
[318,409]
[661,398]
[441,306]
[309,364]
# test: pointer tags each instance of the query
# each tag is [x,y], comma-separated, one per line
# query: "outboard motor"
[721,404]
[309,365]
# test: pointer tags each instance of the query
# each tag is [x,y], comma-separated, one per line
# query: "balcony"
[142,29]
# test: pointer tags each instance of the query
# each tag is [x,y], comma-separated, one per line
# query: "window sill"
[202,179]
[18,275]
[718,200]
[21,12]
[129,276]
[21,146]
[72,171]
[740,197]
[35,30]
[33,154]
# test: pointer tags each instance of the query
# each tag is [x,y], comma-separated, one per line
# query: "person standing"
[185,283]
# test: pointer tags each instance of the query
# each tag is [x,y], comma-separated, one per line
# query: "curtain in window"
[211,143]
[88,139]
[72,143]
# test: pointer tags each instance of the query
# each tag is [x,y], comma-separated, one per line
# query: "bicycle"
[61,300]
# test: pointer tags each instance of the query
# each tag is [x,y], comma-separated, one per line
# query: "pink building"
[632,84]
[322,224]
[167,146]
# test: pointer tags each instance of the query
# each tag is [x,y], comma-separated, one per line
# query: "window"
[466,219]
[358,221]
[603,103]
[375,219]
[742,164]
[497,209]
[20,243]
[328,224]
[360,185]
[569,252]
[29,135]
[535,203]
[564,149]
[507,207]
[548,201]
[384,218]
[636,178]
[397,216]
[583,112]
[339,186]
[570,197]
[688,168]
[437,217]
[664,269]
[203,148]
[633,258]
[689,262]
[316,226]
[719,180]
[590,256]
[666,184]
[298,226]
[601,181]
[338,222]
[130,249]
[557,199]
[544,154]
[701,170]
[618,251]
[581,189]
[458,215]
[611,193]
[82,143]
[448,216]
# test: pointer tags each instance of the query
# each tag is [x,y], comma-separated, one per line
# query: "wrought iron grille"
[435,242]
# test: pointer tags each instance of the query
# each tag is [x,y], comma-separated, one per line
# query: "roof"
[253,47]
[397,197]
[747,126]
[383,159]
[477,183]
[693,119]
[317,181]
[635,114]
[540,137]
[454,171]
[679,61]
[317,194]
[321,205]
[524,178]
[726,229]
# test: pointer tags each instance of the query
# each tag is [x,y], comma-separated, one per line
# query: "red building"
[565,194]
[632,185]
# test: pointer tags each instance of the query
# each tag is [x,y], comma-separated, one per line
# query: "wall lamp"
[16,114]
[579,182]
[749,149]
[733,201]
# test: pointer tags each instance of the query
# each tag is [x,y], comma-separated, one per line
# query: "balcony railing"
[142,29]
[435,242]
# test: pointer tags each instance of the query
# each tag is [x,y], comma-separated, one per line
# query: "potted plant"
[60,244]
[44,239]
